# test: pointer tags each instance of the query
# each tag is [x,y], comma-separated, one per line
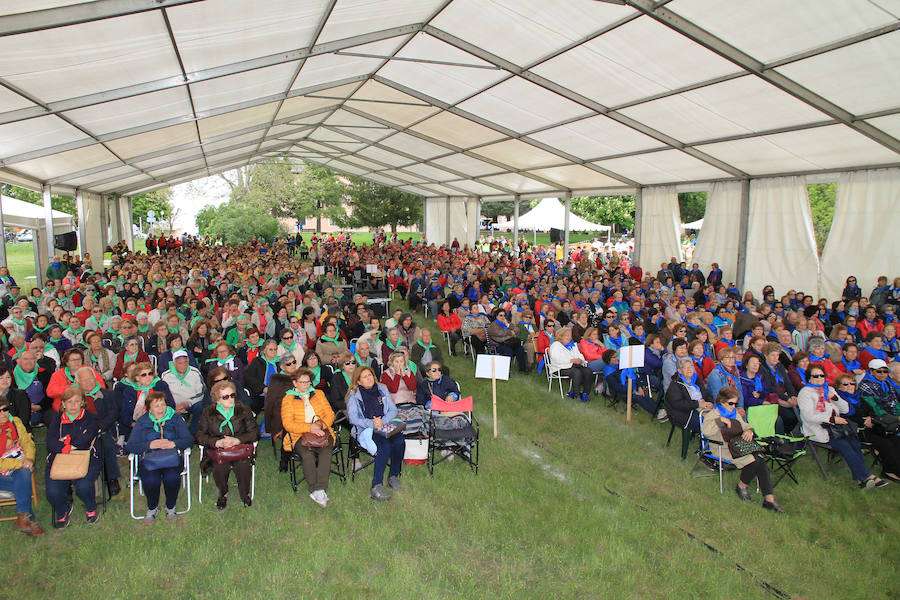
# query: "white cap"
[877,363]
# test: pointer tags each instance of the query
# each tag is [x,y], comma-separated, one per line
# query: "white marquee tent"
[549,213]
[463,100]
[695,225]
[18,213]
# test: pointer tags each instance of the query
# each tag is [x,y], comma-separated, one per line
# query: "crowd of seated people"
[216,343]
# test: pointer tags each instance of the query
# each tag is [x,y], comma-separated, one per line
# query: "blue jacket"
[717,380]
[143,433]
[440,388]
[355,409]
[126,398]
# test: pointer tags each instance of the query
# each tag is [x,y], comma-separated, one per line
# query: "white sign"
[631,357]
[492,366]
[151,213]
[320,270]
[151,219]
[371,268]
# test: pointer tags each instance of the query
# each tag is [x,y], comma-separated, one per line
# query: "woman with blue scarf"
[566,358]
[159,429]
[879,398]
[724,424]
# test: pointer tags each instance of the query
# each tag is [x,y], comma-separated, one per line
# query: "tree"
[159,201]
[205,217]
[606,210]
[64,204]
[239,223]
[317,192]
[692,206]
[269,185]
[822,197]
[373,205]
[492,210]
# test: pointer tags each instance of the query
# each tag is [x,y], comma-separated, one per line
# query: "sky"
[190,197]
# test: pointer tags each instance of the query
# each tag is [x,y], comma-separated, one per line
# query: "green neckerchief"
[35,327]
[21,322]
[161,422]
[23,379]
[180,378]
[146,388]
[19,351]
[390,345]
[99,323]
[172,329]
[144,329]
[220,361]
[294,392]
[335,340]
[359,360]
[75,331]
[271,363]
[346,377]
[93,391]
[69,375]
[412,367]
[227,413]
[71,418]
[289,348]
[194,320]
[317,374]
[256,345]
[429,346]
[131,358]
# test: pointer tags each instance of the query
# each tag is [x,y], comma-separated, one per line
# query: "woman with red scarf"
[16,467]
[73,428]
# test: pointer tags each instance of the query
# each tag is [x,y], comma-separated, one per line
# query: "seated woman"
[340,382]
[133,395]
[72,360]
[370,409]
[872,348]
[568,361]
[879,399]
[225,356]
[156,343]
[16,467]
[289,344]
[424,350]
[686,397]
[257,376]
[797,371]
[449,322]
[160,428]
[73,428]
[99,357]
[225,424]
[617,382]
[703,363]
[174,343]
[131,352]
[305,410]
[726,374]
[821,408]
[725,424]
[330,345]
[400,381]
[816,349]
[321,377]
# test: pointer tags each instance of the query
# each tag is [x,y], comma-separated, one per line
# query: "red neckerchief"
[65,420]
[8,432]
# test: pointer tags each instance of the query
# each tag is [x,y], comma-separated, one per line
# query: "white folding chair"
[551,376]
[201,477]
[136,480]
[153,360]
[447,339]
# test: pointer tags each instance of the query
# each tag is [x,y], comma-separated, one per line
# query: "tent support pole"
[48,219]
[742,235]
[566,239]
[447,239]
[478,219]
[2,230]
[37,258]
[638,216]
[516,221]
[79,210]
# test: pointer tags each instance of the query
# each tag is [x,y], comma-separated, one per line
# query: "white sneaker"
[318,499]
[324,498]
[150,517]
[662,415]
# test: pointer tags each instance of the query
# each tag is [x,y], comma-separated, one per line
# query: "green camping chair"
[781,450]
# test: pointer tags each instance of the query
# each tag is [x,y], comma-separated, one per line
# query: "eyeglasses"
[881,371]
[848,384]
[434,370]
[145,374]
[349,362]
[817,376]
[304,382]
[227,396]
[730,403]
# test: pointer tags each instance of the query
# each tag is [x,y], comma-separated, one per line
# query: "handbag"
[161,458]
[71,466]
[311,440]
[220,456]
[739,447]
[886,424]
[842,431]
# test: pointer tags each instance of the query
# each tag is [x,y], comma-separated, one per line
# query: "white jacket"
[561,357]
[811,419]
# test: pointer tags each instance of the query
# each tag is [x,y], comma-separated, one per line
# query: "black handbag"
[840,431]
[739,447]
[886,424]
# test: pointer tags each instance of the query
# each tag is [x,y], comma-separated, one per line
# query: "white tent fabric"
[695,225]
[495,98]
[866,224]
[550,213]
[18,213]
[781,246]
[718,240]
[660,227]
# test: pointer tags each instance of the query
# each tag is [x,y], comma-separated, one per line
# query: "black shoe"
[773,505]
[222,502]
[247,502]
[743,493]
[283,462]
[114,487]
[64,522]
[92,517]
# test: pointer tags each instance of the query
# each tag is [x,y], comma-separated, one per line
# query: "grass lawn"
[543,239]
[20,260]
[569,502]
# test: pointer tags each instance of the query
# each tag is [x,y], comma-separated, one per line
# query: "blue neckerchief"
[727,342]
[501,324]
[609,370]
[850,366]
[876,353]
[789,350]
[853,330]
[730,377]
[570,345]
[779,380]
[692,383]
[757,382]
[822,386]
[802,375]
[813,358]
[885,387]
[851,399]
[625,374]
[728,414]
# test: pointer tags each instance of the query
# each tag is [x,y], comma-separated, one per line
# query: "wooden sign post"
[493,367]
[630,357]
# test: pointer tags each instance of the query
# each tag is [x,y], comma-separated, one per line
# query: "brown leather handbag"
[220,456]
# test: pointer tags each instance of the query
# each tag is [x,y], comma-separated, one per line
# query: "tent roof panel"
[456,130]
[518,154]
[889,124]
[517,183]
[325,68]
[237,120]
[227,91]
[403,115]
[355,17]
[415,146]
[123,114]
[34,134]
[431,172]
[577,177]
[66,162]
[463,163]
[662,167]
[144,143]
[833,147]
[758,156]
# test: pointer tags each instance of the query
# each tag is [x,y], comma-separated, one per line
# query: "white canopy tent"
[551,214]
[18,213]
[695,225]
[453,100]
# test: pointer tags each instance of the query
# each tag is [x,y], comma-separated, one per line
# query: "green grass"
[569,502]
[20,260]
[543,239]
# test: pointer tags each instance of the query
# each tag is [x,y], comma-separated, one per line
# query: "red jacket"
[393,383]
[451,323]
[59,383]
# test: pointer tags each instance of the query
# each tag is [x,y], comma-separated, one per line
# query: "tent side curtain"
[866,224]
[435,220]
[720,234]
[781,246]
[660,227]
[459,222]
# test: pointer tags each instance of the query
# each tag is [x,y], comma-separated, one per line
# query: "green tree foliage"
[492,210]
[159,201]
[692,206]
[374,205]
[205,217]
[240,223]
[317,193]
[64,204]
[822,197]
[606,210]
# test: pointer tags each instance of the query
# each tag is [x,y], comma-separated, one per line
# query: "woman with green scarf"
[160,429]
[226,424]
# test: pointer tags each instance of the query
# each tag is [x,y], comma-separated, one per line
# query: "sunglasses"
[288,337]
[817,376]
[145,374]
[220,380]
[731,404]
[434,370]
[349,362]
[883,371]
[848,384]
[4,409]
[227,396]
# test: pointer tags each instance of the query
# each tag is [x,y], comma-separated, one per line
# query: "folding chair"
[356,452]
[201,477]
[446,335]
[337,461]
[705,450]
[462,442]
[135,479]
[551,376]
[10,500]
[762,419]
